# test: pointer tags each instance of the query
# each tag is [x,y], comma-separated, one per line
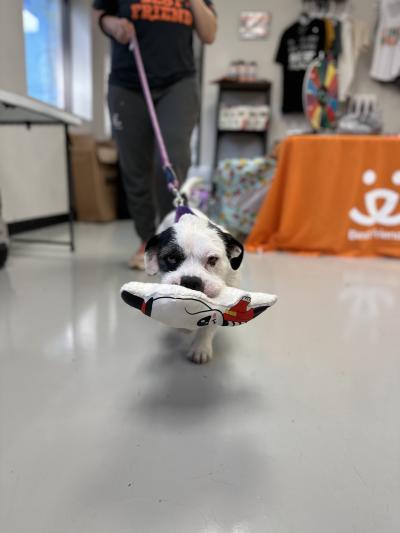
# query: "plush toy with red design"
[184,308]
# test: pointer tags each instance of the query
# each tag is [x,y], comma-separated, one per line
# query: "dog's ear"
[234,250]
[151,256]
[154,247]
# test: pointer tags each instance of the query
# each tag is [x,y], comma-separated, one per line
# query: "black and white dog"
[199,255]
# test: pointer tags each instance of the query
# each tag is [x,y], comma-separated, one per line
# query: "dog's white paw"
[201,354]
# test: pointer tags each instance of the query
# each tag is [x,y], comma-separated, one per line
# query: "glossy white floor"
[106,428]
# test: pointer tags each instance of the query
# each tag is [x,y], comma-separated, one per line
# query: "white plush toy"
[183,308]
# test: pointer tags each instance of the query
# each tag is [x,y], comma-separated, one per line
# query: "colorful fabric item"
[241,187]
[330,34]
[333,38]
[321,94]
[182,308]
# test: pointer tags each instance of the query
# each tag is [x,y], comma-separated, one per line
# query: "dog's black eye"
[171,260]
[212,261]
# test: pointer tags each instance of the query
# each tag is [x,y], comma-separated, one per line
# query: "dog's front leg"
[201,350]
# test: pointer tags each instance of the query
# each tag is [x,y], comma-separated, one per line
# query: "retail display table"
[333,194]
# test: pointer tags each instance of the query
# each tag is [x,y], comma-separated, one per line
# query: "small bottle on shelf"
[233,70]
[253,71]
[241,70]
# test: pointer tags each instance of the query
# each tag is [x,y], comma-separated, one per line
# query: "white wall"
[229,47]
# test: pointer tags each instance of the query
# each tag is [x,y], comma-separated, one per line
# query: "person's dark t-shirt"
[164,30]
[299,45]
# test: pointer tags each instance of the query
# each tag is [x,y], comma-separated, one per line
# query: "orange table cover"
[334,195]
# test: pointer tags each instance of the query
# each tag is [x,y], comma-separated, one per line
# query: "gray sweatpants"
[177,108]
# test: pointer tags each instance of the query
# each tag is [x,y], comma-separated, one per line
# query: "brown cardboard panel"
[94,181]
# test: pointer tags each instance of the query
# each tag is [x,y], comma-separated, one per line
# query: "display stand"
[246,91]
[27,112]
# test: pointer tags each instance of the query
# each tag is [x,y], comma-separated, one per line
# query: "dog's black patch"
[230,244]
[169,254]
[170,257]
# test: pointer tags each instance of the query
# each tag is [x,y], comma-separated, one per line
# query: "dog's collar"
[182,210]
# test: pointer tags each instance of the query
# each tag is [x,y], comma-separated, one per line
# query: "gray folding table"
[27,112]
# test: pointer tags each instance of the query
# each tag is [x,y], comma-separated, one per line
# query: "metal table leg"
[70,191]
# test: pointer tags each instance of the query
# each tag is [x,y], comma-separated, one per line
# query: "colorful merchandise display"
[320,94]
[241,187]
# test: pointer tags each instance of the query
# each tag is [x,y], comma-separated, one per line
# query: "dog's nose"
[192,282]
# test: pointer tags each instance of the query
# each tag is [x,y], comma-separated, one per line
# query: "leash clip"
[178,200]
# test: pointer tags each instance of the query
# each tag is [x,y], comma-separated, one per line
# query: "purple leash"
[172,180]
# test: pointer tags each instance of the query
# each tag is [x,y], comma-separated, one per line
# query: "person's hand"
[121,29]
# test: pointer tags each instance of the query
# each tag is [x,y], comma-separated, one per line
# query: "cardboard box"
[95,172]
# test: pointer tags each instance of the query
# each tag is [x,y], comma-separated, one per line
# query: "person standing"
[164,29]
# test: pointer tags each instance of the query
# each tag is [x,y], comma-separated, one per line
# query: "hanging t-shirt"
[165,34]
[299,45]
[354,40]
[386,59]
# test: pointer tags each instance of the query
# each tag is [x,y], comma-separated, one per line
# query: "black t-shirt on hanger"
[299,45]
[165,34]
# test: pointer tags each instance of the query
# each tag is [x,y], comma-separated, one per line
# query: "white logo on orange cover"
[384,214]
